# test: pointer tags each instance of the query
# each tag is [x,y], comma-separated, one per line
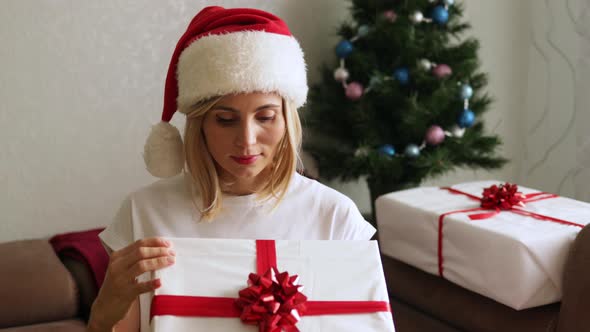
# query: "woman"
[239,76]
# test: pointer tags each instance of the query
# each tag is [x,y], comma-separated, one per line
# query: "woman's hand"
[120,287]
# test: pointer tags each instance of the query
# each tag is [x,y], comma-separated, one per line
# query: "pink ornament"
[434,135]
[390,15]
[442,71]
[354,91]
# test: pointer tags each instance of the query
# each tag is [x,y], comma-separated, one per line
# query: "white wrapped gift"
[514,259]
[328,271]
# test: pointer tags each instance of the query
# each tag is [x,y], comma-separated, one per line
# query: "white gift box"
[513,259]
[328,271]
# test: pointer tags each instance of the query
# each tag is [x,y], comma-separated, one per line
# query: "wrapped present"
[272,286]
[505,242]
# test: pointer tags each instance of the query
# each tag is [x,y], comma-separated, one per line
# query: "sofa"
[42,292]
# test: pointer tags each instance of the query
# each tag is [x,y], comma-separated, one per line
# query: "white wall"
[83,81]
[556,140]
[81,84]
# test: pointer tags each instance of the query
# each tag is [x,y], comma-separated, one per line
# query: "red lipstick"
[245,160]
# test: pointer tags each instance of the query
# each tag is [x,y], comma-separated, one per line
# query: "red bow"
[502,197]
[272,301]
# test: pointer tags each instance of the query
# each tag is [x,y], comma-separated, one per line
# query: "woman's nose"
[247,134]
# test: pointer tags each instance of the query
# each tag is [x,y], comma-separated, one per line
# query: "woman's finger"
[152,264]
[144,253]
[147,242]
[147,286]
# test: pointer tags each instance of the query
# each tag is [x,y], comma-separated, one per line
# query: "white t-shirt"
[309,211]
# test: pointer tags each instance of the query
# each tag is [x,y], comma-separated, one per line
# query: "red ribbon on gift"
[494,200]
[272,300]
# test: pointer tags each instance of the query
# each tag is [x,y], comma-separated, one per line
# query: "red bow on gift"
[272,301]
[502,197]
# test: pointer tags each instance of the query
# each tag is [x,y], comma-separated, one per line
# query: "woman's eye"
[266,118]
[225,120]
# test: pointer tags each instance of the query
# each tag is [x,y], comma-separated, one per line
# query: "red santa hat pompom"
[224,51]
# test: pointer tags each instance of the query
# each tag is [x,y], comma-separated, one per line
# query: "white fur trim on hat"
[164,151]
[246,61]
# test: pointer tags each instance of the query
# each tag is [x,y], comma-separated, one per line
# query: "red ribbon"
[495,199]
[272,301]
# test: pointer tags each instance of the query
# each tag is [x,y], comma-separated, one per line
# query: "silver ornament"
[412,151]
[466,91]
[417,17]
[425,64]
[457,131]
[361,152]
[341,74]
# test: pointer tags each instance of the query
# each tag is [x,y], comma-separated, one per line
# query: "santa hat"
[224,51]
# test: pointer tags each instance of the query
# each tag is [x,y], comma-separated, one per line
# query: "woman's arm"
[116,307]
[130,323]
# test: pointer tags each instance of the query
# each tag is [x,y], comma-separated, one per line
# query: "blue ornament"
[402,75]
[412,151]
[363,30]
[387,150]
[343,49]
[466,119]
[440,15]
[466,91]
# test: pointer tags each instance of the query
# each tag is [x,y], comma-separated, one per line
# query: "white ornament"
[341,74]
[417,17]
[361,152]
[449,2]
[457,131]
[425,64]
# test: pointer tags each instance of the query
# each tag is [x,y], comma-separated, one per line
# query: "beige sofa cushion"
[35,287]
[70,325]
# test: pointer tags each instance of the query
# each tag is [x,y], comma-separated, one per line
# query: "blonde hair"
[201,166]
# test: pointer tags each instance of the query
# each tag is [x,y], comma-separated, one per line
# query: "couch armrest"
[575,303]
[35,287]
[85,283]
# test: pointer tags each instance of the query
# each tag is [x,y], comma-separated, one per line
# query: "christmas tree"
[405,99]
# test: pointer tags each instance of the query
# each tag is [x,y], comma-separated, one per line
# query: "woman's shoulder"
[162,190]
[330,209]
[315,190]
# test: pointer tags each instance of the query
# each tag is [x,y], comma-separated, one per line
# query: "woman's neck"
[241,187]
